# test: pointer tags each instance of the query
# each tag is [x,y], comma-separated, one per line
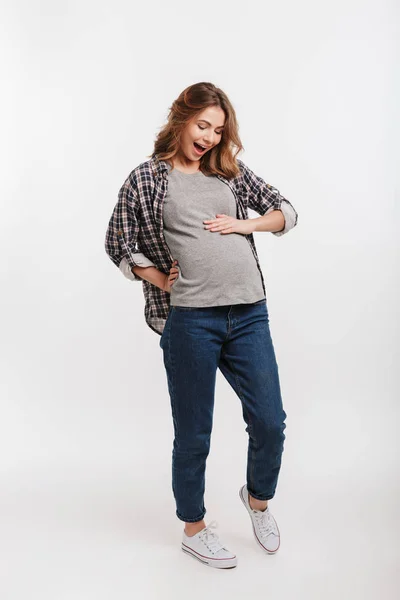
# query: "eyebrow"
[208,123]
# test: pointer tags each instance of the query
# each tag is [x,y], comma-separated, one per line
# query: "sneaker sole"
[220,564]
[254,531]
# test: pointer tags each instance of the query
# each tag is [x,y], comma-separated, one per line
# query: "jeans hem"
[200,518]
[257,497]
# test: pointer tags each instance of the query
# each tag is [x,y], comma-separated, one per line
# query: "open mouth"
[199,149]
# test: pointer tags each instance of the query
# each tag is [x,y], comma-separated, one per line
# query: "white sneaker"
[265,528]
[207,548]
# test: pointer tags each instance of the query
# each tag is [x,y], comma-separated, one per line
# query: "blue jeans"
[236,339]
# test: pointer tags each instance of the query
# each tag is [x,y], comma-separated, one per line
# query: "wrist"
[152,275]
[252,225]
[272,221]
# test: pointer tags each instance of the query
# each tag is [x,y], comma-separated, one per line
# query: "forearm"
[273,221]
[151,274]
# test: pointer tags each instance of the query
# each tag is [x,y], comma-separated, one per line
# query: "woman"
[181,226]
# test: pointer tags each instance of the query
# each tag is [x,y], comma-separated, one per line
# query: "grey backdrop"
[86,505]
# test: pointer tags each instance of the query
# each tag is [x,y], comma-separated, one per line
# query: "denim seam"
[240,393]
[173,372]
[172,379]
[229,325]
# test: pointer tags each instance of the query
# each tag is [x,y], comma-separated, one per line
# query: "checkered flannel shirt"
[135,237]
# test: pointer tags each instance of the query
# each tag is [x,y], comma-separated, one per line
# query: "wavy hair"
[221,159]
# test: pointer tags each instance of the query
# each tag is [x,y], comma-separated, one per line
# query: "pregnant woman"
[181,227]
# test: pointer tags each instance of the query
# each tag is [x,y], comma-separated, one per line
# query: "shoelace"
[265,522]
[210,538]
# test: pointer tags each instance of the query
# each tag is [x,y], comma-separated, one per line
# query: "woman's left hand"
[226,224]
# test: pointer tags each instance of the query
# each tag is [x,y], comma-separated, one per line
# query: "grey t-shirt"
[215,269]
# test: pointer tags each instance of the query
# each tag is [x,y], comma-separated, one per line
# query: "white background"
[86,505]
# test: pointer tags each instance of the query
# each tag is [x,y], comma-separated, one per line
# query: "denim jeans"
[236,339]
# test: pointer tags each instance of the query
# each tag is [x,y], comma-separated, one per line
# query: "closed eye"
[202,128]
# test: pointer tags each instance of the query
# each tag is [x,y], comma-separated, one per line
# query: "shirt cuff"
[140,260]
[289,214]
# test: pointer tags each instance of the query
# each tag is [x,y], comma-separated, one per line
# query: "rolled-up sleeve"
[123,229]
[264,198]
[289,214]
[141,261]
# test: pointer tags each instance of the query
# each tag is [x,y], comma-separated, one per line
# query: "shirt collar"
[160,167]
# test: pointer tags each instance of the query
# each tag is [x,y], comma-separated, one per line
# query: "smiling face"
[203,130]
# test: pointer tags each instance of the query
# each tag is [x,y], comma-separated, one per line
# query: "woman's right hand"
[171,278]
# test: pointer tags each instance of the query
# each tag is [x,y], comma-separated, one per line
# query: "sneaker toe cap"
[271,542]
[224,553]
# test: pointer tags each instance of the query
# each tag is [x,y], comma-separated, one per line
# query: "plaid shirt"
[135,237]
